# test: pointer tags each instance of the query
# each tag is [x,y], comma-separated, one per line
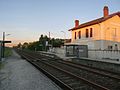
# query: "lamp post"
[64,36]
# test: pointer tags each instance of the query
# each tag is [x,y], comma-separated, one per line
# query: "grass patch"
[1,65]
[8,52]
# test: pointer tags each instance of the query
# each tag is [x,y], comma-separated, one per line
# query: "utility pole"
[49,45]
[49,35]
[0,51]
[3,45]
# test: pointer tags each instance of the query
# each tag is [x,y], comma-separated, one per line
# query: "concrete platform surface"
[18,74]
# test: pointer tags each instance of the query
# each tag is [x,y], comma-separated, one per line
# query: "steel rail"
[89,70]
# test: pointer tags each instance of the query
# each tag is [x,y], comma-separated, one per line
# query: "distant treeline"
[43,44]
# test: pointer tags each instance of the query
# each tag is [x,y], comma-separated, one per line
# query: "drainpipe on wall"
[101,43]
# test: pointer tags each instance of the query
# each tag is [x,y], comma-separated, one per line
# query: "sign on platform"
[6,41]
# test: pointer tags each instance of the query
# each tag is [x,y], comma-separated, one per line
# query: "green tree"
[41,44]
[19,45]
[57,42]
[25,45]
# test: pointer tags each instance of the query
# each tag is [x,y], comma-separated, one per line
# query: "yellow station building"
[99,34]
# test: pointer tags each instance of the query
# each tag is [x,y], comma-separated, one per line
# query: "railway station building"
[102,35]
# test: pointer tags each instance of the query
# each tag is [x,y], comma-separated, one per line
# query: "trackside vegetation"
[8,52]
[43,44]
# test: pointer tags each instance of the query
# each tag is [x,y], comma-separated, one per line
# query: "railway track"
[99,71]
[73,75]
[93,70]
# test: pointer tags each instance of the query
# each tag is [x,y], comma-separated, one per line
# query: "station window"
[87,33]
[75,35]
[91,32]
[116,47]
[110,47]
[79,34]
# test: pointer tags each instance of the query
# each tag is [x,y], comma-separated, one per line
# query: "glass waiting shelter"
[74,50]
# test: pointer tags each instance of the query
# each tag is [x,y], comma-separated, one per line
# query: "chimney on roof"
[105,11]
[76,23]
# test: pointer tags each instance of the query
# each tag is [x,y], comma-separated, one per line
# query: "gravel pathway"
[18,74]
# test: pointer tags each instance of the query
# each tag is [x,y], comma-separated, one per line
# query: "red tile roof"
[96,21]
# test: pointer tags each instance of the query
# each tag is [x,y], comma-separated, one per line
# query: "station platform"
[106,64]
[18,74]
[62,56]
